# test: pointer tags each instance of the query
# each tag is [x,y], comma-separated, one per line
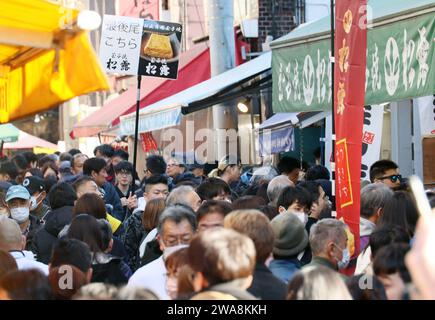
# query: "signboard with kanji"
[134,46]
[349,91]
[160,49]
[120,44]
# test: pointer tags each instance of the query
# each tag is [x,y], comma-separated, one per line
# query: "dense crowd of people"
[74,227]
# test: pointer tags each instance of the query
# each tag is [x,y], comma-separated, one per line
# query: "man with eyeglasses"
[174,168]
[124,178]
[386,172]
[177,225]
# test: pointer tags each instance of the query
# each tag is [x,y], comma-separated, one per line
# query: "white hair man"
[328,241]
[275,187]
[185,195]
[176,227]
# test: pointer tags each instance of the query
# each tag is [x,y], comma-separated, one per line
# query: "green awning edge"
[381,12]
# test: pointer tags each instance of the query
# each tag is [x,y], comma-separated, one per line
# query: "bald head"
[10,235]
[275,187]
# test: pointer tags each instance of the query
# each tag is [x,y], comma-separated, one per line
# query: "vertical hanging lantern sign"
[133,46]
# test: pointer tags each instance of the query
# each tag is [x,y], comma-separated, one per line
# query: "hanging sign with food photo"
[134,46]
[160,49]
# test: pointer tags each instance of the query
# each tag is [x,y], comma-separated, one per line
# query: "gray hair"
[275,187]
[179,196]
[10,234]
[96,291]
[177,213]
[318,283]
[325,231]
[264,174]
[373,197]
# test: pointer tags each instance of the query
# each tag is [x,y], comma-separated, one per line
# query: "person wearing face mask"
[177,225]
[175,258]
[328,242]
[295,200]
[36,188]
[18,202]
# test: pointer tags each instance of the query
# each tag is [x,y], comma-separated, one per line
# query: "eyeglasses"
[393,178]
[172,241]
[124,173]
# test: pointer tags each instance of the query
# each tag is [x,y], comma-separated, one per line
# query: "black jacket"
[44,239]
[111,197]
[109,269]
[134,233]
[266,286]
[34,227]
[126,211]
[152,252]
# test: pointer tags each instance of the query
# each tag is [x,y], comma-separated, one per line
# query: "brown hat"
[291,237]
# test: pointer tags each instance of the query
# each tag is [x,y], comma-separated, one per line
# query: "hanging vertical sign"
[426,110]
[160,49]
[120,44]
[349,92]
[371,139]
[134,46]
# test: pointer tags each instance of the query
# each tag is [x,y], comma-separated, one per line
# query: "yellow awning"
[44,58]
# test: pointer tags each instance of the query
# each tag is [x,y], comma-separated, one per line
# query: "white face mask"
[20,215]
[344,262]
[34,202]
[302,216]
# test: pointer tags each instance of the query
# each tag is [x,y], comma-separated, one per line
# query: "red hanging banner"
[349,92]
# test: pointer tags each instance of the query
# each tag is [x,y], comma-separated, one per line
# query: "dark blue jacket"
[265,285]
[284,269]
[111,197]
[44,240]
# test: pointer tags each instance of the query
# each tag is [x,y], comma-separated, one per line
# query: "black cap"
[34,184]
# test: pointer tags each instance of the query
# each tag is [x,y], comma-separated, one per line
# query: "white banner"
[426,110]
[120,44]
[372,137]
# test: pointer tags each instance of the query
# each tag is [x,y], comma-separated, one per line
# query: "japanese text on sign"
[120,43]
[343,174]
